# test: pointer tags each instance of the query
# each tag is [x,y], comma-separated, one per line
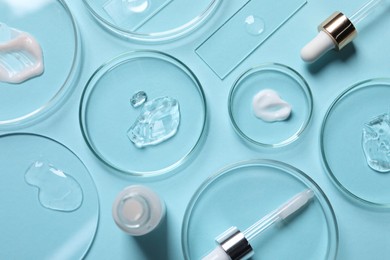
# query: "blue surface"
[364,232]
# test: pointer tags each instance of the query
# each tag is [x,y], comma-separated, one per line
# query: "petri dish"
[50,206]
[241,194]
[343,145]
[151,20]
[107,113]
[289,85]
[52,25]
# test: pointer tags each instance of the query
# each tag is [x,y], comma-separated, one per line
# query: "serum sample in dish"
[138,99]
[268,106]
[57,190]
[376,143]
[157,122]
[21,55]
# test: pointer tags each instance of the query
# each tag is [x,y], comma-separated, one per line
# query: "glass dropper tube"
[283,212]
[233,244]
[366,10]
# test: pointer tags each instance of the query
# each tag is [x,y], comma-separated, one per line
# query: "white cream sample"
[21,56]
[268,106]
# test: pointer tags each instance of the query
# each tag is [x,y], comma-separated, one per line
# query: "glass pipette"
[234,244]
[337,31]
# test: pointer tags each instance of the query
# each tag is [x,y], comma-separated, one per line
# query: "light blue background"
[364,232]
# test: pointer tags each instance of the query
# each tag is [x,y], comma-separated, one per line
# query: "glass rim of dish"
[112,64]
[156,37]
[51,105]
[288,71]
[330,173]
[275,164]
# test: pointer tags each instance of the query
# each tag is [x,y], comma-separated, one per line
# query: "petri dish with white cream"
[270,105]
[151,21]
[39,59]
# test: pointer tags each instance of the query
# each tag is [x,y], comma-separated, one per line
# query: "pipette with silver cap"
[234,244]
[338,31]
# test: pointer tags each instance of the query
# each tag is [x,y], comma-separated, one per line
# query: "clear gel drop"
[376,143]
[57,190]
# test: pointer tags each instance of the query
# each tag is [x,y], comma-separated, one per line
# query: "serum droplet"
[254,25]
[376,143]
[57,190]
[157,122]
[138,99]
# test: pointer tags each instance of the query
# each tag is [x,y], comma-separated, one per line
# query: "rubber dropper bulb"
[317,47]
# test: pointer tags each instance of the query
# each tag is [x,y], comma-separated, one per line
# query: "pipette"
[234,244]
[337,31]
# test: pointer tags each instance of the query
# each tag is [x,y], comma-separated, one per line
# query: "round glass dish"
[50,206]
[241,194]
[106,113]
[52,25]
[151,20]
[289,85]
[343,145]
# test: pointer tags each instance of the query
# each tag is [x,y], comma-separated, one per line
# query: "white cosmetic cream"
[268,106]
[21,56]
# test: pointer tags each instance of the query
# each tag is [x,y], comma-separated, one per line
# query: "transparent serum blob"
[136,6]
[268,106]
[57,190]
[157,122]
[376,143]
[254,25]
[138,99]
[21,56]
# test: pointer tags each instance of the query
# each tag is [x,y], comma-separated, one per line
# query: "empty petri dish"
[355,137]
[241,194]
[50,206]
[158,134]
[151,20]
[51,25]
[270,89]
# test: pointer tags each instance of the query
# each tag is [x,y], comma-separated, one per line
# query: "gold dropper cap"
[339,28]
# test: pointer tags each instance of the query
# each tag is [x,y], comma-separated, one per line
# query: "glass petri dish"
[52,25]
[151,20]
[58,220]
[289,85]
[106,112]
[241,194]
[342,142]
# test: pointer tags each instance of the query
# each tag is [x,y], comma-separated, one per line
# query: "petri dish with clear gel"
[355,142]
[241,194]
[121,92]
[151,21]
[52,25]
[291,88]
[49,203]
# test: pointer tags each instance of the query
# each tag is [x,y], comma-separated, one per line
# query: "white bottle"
[137,210]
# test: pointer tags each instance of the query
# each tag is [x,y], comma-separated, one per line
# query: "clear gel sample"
[269,107]
[158,121]
[21,56]
[376,143]
[133,14]
[138,99]
[254,25]
[136,6]
[244,32]
[57,189]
